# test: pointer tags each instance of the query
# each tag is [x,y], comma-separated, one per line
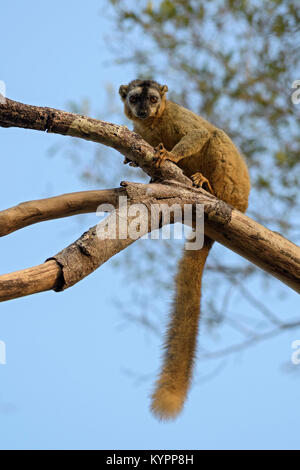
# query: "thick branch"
[129,144]
[28,281]
[31,212]
[267,249]
[72,264]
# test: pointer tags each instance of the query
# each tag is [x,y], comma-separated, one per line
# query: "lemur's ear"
[163,89]
[123,91]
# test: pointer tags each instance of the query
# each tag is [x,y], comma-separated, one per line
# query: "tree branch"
[66,205]
[129,144]
[255,338]
[267,249]
[28,281]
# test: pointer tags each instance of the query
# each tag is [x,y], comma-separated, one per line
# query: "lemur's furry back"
[208,156]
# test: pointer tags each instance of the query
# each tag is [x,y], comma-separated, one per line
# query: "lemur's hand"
[131,163]
[161,154]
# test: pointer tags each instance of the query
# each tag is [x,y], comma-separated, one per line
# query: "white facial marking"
[135,91]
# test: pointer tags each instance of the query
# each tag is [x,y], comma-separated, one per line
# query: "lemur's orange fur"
[208,156]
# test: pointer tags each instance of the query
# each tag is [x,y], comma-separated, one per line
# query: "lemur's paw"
[131,163]
[161,154]
[200,181]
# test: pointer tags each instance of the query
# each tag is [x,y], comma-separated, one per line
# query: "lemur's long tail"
[173,383]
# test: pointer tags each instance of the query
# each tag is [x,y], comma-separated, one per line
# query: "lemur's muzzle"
[143,114]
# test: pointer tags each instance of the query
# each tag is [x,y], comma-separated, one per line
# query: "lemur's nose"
[143,114]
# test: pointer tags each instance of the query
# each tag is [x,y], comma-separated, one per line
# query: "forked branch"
[268,250]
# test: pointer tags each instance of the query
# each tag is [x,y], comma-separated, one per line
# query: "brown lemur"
[207,156]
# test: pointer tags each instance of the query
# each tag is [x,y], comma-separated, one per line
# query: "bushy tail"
[173,383]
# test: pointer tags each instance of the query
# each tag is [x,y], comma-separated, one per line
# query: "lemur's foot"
[131,163]
[200,180]
[162,154]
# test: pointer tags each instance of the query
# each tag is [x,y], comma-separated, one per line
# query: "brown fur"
[196,146]
[180,345]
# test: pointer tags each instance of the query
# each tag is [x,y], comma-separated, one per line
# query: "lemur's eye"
[132,99]
[153,99]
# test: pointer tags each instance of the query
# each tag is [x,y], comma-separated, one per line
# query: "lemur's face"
[142,98]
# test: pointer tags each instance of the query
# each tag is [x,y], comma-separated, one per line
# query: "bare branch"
[254,339]
[28,281]
[233,229]
[129,144]
[66,205]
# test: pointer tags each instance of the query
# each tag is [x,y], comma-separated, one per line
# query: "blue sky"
[64,385]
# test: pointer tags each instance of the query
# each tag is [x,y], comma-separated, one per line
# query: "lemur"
[208,156]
